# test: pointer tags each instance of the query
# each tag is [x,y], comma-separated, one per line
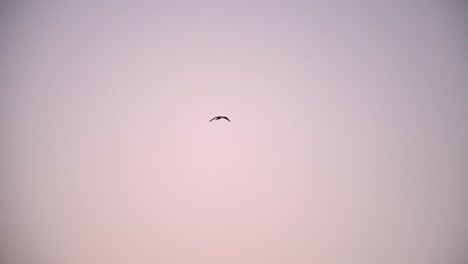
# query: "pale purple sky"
[348,141]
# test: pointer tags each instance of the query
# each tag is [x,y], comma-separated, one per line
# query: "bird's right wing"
[212,119]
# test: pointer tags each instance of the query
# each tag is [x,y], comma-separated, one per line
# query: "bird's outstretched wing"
[212,119]
[226,118]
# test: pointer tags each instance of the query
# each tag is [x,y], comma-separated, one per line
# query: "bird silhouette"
[219,117]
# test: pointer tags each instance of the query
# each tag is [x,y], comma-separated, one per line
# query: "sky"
[348,141]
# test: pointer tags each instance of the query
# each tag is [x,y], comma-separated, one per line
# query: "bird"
[219,117]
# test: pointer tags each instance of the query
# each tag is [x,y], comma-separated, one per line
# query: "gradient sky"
[348,141]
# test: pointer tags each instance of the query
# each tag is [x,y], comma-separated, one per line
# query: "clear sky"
[348,141]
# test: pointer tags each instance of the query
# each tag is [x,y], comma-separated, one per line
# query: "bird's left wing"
[226,118]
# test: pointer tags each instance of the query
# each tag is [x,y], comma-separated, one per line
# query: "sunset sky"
[348,142]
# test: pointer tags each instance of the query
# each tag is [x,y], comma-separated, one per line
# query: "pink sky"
[348,141]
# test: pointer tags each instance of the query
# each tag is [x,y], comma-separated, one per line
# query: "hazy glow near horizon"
[348,141]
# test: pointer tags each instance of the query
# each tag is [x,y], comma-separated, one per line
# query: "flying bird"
[219,117]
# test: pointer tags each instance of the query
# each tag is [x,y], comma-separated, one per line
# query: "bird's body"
[219,117]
